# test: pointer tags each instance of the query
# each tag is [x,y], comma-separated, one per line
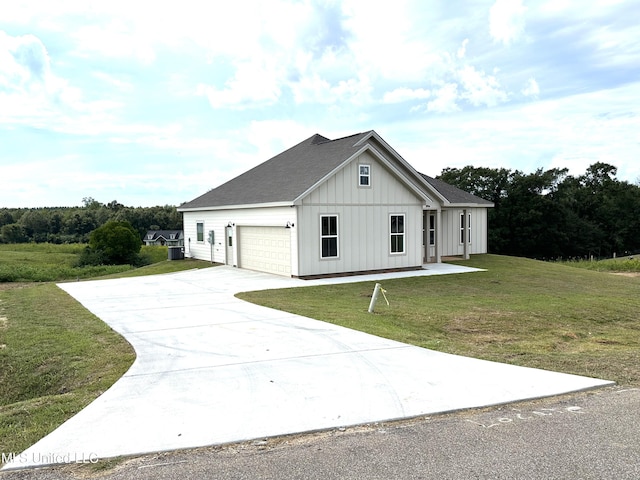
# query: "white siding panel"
[218,220]
[363,222]
[451,231]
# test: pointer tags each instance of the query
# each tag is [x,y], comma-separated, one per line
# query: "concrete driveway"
[213,369]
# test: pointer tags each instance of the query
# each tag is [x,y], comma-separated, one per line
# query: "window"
[200,232]
[172,236]
[462,228]
[432,229]
[364,175]
[329,236]
[150,236]
[397,233]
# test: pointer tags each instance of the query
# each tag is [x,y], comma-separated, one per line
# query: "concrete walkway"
[213,369]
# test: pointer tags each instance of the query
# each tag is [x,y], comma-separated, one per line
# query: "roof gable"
[283,178]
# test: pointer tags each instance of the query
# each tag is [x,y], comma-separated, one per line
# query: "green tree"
[13,233]
[117,242]
[5,217]
[35,224]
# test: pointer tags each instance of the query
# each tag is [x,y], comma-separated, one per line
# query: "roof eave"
[237,207]
[469,205]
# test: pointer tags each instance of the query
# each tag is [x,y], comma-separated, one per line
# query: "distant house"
[164,237]
[333,207]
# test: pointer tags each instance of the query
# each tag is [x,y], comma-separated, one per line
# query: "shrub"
[90,257]
[115,243]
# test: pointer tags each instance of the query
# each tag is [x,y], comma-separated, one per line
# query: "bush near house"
[114,243]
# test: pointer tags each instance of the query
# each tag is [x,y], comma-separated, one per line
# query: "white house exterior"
[334,207]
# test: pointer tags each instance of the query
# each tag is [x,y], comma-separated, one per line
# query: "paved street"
[590,435]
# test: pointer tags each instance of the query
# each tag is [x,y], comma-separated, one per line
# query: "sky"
[155,103]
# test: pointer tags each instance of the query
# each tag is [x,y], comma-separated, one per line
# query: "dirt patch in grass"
[12,285]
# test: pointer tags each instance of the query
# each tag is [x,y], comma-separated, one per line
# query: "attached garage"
[265,249]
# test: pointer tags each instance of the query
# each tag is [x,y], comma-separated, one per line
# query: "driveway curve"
[213,369]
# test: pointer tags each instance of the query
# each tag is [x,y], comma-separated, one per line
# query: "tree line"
[74,224]
[550,214]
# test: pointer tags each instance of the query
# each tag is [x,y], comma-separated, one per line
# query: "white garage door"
[266,249]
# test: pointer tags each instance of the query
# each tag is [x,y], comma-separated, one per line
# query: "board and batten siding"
[217,220]
[363,221]
[451,244]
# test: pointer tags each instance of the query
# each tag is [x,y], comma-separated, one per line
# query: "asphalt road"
[590,435]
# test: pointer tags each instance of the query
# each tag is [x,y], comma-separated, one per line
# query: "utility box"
[176,253]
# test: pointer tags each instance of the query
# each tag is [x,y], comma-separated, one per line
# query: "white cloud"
[405,94]
[270,137]
[445,101]
[312,88]
[506,21]
[116,39]
[254,83]
[24,63]
[572,132]
[388,42]
[478,88]
[113,80]
[462,50]
[31,93]
[531,88]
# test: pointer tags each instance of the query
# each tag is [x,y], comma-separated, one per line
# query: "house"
[334,207]
[172,238]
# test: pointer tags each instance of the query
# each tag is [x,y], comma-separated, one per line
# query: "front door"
[429,237]
[229,246]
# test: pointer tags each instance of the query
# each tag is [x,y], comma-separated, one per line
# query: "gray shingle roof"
[284,177]
[454,194]
[166,234]
[288,175]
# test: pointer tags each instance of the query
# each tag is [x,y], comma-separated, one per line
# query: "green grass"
[45,262]
[520,311]
[619,265]
[55,356]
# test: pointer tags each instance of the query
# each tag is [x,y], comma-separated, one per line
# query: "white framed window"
[328,236]
[200,231]
[465,225]
[364,175]
[397,233]
[432,229]
[150,236]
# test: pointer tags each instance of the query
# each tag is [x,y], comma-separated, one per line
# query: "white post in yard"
[374,297]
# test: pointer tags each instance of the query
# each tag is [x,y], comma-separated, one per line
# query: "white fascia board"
[414,188]
[469,205]
[237,207]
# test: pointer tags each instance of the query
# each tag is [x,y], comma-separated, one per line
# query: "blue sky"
[153,103]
